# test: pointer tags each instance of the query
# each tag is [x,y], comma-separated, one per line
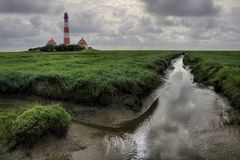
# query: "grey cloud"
[19,44]
[30,6]
[16,28]
[213,29]
[204,29]
[85,22]
[36,21]
[182,7]
[138,26]
[144,24]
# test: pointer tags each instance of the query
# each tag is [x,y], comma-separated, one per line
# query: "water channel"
[188,124]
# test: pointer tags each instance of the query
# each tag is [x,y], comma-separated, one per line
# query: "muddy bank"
[104,117]
[78,139]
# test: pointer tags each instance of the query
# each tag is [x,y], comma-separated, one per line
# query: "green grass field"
[221,70]
[92,77]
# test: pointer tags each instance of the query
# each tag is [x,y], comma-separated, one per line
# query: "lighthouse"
[66,40]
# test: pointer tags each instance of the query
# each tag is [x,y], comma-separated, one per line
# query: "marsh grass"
[221,70]
[93,77]
[7,116]
[24,126]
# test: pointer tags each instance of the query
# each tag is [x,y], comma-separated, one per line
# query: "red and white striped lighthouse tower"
[66,30]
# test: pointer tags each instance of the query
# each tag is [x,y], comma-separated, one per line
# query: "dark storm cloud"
[182,7]
[30,6]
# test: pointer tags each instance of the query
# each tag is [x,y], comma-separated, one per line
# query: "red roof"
[51,42]
[82,42]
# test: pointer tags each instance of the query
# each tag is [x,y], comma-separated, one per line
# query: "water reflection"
[185,126]
[120,147]
[165,135]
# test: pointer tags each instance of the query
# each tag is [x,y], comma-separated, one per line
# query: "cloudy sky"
[122,24]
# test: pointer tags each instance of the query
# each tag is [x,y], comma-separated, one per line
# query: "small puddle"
[184,125]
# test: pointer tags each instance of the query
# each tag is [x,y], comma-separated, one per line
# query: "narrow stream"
[186,125]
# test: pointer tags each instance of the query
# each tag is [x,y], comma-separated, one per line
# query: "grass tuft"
[26,125]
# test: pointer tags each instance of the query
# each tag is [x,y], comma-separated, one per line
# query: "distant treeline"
[58,48]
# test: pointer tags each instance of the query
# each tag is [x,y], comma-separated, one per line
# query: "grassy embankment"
[221,70]
[93,77]
[24,126]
